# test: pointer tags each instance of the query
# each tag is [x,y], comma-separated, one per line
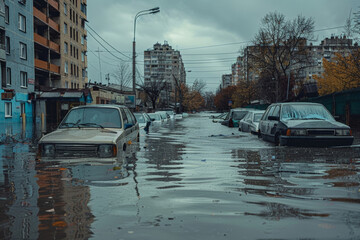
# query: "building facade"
[17,68]
[164,65]
[227,80]
[73,44]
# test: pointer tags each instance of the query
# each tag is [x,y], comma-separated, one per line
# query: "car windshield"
[257,117]
[305,112]
[238,115]
[140,118]
[92,117]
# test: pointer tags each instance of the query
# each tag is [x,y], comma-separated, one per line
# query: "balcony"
[42,16]
[54,4]
[39,15]
[46,43]
[47,66]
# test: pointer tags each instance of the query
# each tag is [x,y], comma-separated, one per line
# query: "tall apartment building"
[163,64]
[47,44]
[73,44]
[17,60]
[60,44]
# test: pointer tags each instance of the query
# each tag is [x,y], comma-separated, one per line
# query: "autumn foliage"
[341,73]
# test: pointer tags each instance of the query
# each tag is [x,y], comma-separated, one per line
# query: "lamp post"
[141,13]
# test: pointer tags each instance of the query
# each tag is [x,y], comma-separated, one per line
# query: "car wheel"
[259,135]
[240,129]
[138,138]
[124,147]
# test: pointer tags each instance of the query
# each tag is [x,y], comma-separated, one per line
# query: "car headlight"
[107,150]
[343,132]
[296,132]
[48,150]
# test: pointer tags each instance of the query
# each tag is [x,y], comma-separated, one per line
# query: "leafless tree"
[280,48]
[152,89]
[123,75]
[198,86]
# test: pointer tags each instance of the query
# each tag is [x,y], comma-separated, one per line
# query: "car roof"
[101,106]
[297,103]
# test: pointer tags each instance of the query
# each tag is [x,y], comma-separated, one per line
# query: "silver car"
[250,123]
[91,132]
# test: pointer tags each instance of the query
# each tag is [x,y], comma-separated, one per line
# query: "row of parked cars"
[291,123]
[101,131]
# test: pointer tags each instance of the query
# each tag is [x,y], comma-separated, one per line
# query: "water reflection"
[288,176]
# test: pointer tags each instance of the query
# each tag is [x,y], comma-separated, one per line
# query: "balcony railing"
[47,66]
[42,16]
[54,4]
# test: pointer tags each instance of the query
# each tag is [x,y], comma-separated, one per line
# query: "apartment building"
[163,64]
[73,44]
[227,80]
[17,60]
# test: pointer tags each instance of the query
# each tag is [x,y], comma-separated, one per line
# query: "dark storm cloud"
[198,23]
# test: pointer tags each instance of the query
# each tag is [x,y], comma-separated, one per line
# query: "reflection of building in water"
[18,193]
[63,210]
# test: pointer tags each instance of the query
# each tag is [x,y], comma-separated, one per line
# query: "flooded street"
[189,179]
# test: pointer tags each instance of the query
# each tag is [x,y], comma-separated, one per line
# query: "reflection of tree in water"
[277,211]
[165,157]
[63,206]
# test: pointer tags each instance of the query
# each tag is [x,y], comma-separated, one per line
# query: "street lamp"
[141,13]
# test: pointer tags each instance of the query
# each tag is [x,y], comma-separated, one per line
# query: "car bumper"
[316,141]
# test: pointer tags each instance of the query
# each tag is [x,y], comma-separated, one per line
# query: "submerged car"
[303,124]
[250,123]
[144,120]
[91,132]
[234,116]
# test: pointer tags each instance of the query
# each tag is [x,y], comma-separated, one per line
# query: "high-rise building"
[17,60]
[164,65]
[60,44]
[73,44]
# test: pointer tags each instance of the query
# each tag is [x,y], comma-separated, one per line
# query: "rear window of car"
[238,115]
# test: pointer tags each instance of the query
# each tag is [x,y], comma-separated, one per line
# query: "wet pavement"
[189,179]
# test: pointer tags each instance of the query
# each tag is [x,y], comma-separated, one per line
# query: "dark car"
[303,124]
[234,116]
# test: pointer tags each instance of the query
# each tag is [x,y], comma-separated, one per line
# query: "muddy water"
[192,179]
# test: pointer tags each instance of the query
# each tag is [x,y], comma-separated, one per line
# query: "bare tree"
[280,48]
[153,88]
[123,75]
[198,86]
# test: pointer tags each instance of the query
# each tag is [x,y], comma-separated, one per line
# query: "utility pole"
[107,78]
[99,64]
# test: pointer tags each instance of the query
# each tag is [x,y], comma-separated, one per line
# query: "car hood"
[314,124]
[82,135]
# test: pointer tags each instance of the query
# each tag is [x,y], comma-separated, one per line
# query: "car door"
[264,124]
[274,118]
[132,133]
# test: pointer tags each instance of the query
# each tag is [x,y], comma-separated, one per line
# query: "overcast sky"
[208,33]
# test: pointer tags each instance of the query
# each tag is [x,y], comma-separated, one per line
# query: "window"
[7,43]
[7,16]
[65,47]
[22,1]
[8,76]
[70,32]
[65,28]
[23,51]
[8,109]
[23,79]
[65,8]
[83,56]
[66,67]
[22,23]
[66,84]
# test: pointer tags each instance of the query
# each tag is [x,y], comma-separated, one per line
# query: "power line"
[105,48]
[107,42]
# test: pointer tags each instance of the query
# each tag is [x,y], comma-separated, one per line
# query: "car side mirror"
[273,118]
[128,125]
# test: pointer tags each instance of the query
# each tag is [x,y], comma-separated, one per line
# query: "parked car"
[234,116]
[144,120]
[219,118]
[303,124]
[164,115]
[250,123]
[91,132]
[156,118]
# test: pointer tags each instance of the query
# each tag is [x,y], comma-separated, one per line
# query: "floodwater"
[189,179]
